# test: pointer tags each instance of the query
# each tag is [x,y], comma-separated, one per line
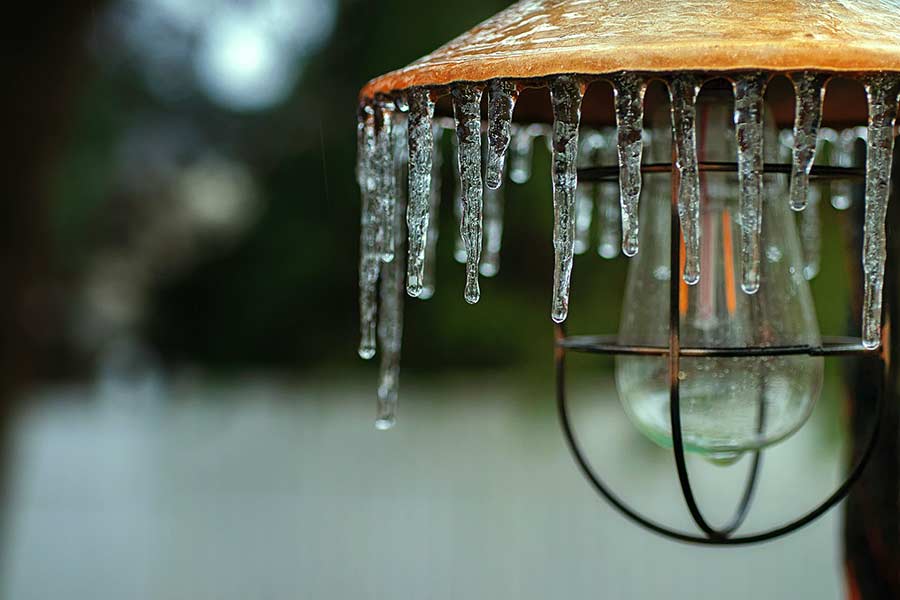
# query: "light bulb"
[728,405]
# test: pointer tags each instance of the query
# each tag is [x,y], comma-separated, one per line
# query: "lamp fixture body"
[567,45]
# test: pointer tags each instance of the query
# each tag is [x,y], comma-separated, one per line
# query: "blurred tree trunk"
[44,50]
[872,511]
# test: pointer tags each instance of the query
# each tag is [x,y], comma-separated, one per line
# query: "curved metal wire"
[604,173]
[722,540]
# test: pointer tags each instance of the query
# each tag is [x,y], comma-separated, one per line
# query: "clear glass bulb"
[728,405]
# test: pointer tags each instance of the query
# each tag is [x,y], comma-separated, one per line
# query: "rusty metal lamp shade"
[777,61]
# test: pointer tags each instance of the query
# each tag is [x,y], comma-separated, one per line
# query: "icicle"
[809,222]
[521,154]
[467,110]
[609,226]
[385,181]
[810,94]
[683,90]
[585,192]
[390,329]
[369,258]
[810,234]
[502,96]
[459,247]
[421,150]
[882,91]
[493,231]
[748,128]
[565,95]
[845,155]
[629,98]
[433,213]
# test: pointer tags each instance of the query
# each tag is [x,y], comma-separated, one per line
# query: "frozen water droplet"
[810,94]
[882,91]
[369,257]
[683,90]
[502,96]
[467,111]
[748,128]
[385,423]
[421,152]
[390,327]
[434,204]
[565,95]
[629,100]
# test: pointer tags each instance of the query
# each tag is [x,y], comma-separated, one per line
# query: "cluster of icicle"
[398,162]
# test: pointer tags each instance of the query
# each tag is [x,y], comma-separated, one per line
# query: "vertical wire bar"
[675,364]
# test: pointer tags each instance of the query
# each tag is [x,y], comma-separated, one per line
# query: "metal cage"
[674,351]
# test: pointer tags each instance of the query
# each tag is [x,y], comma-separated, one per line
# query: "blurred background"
[185,414]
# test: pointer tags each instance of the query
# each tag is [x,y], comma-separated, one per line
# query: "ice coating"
[629,100]
[882,92]
[502,96]
[467,111]
[369,257]
[434,203]
[683,90]
[520,152]
[565,96]
[390,329]
[421,145]
[809,90]
[493,231]
[748,129]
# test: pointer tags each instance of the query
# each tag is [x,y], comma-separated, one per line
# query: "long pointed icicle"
[586,191]
[493,231]
[502,97]
[565,95]
[882,91]
[629,98]
[467,111]
[434,204]
[421,144]
[810,234]
[748,129]
[459,246]
[369,257]
[521,151]
[683,90]
[609,213]
[385,181]
[810,94]
[390,330]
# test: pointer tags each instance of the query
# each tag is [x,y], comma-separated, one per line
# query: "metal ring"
[611,172]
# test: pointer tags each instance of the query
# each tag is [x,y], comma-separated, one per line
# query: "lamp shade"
[537,38]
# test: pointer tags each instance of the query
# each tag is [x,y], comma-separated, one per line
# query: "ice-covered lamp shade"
[701,180]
